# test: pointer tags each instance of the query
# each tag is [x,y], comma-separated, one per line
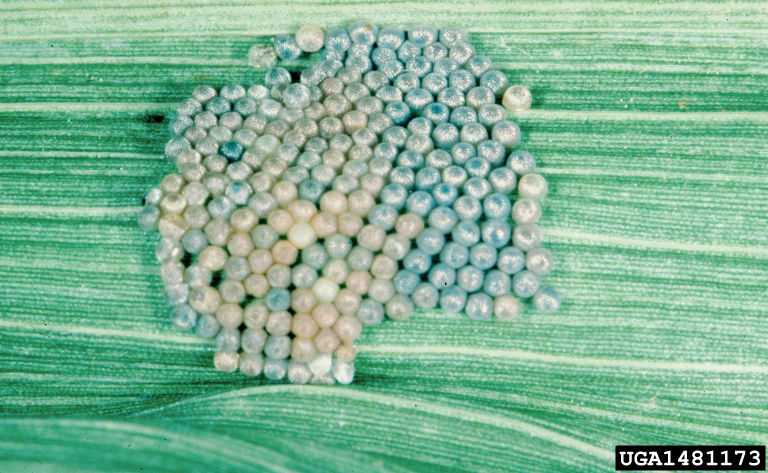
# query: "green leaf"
[649,122]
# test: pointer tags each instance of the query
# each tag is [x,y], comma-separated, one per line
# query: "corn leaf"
[649,122]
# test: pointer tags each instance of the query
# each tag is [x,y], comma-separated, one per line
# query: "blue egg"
[277,348]
[445,66]
[462,152]
[511,260]
[477,187]
[470,278]
[394,195]
[382,55]
[303,276]
[289,152]
[444,194]
[270,109]
[422,35]
[386,151]
[521,162]
[311,190]
[466,233]
[408,50]
[419,126]
[419,65]
[345,184]
[546,300]
[183,317]
[399,112]
[491,114]
[425,296]
[503,180]
[232,150]
[355,169]
[179,125]
[148,217]
[473,132]
[286,47]
[360,49]
[410,159]
[330,62]
[338,246]
[445,135]
[228,340]
[478,65]
[443,219]
[436,113]
[468,208]
[264,236]
[262,203]
[407,82]
[370,312]
[405,281]
[442,276]
[477,167]
[430,241]
[525,283]
[391,37]
[463,116]
[434,51]
[295,175]
[238,192]
[420,203]
[454,255]
[374,80]
[340,142]
[479,306]
[363,33]
[461,79]
[403,176]
[207,326]
[482,256]
[427,179]
[452,98]
[417,99]
[218,106]
[337,39]
[359,62]
[495,80]
[461,52]
[497,283]
[175,146]
[277,299]
[310,76]
[395,135]
[392,70]
[221,207]
[389,93]
[277,76]
[246,106]
[297,96]
[384,216]
[194,241]
[492,151]
[416,261]
[315,256]
[434,83]
[454,175]
[497,206]
[453,299]
[359,258]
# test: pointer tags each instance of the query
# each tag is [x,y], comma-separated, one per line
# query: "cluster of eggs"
[376,182]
